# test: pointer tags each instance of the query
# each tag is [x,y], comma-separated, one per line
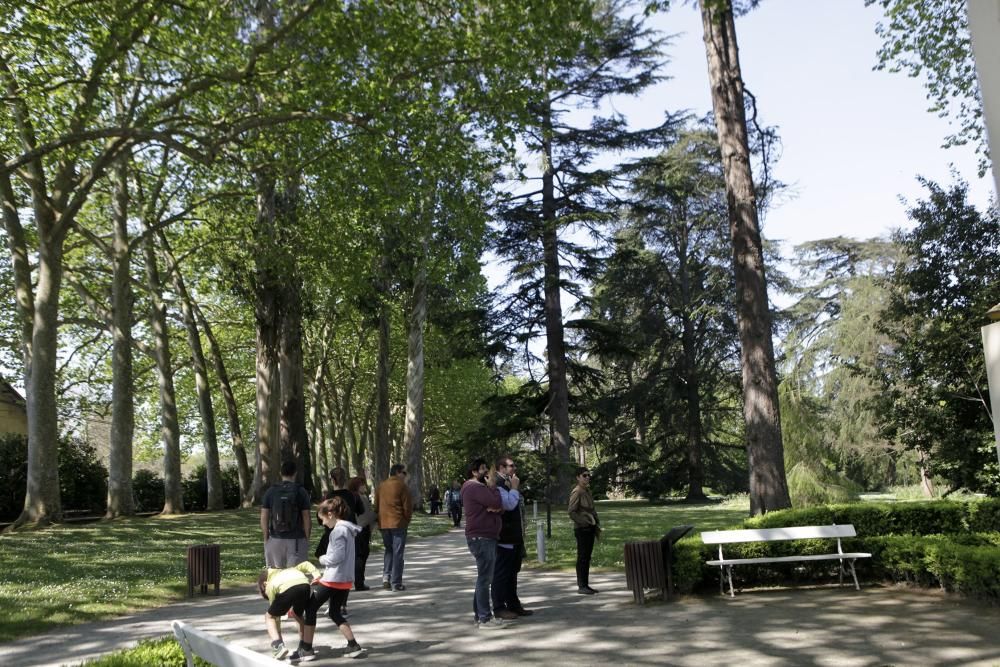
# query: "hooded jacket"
[339,557]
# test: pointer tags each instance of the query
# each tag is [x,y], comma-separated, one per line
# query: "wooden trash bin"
[649,565]
[203,567]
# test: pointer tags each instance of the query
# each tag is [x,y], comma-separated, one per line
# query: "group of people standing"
[492,503]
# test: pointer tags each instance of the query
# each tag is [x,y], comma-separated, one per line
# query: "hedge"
[951,545]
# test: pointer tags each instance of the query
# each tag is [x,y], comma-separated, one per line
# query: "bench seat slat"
[773,534]
[787,559]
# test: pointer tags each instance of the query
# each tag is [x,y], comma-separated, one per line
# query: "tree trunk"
[558,407]
[382,443]
[267,308]
[232,413]
[768,486]
[120,501]
[173,497]
[413,438]
[213,471]
[294,438]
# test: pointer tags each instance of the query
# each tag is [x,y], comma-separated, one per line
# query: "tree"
[935,399]
[929,39]
[768,486]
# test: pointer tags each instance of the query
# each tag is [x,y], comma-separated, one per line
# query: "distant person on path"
[287,589]
[394,507]
[363,542]
[510,543]
[586,528]
[338,479]
[453,498]
[482,503]
[338,576]
[434,497]
[285,521]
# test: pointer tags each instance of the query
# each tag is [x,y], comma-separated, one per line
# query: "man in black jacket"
[510,544]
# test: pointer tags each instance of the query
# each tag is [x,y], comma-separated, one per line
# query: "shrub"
[13,475]
[195,488]
[147,489]
[83,478]
[163,652]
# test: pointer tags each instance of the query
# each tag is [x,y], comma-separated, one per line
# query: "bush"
[83,479]
[195,488]
[147,489]
[163,652]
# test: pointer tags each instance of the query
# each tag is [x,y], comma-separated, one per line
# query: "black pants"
[455,510]
[504,589]
[337,598]
[362,547]
[584,549]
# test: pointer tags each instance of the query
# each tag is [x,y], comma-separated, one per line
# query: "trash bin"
[648,564]
[203,567]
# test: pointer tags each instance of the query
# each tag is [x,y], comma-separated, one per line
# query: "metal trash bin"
[203,567]
[648,564]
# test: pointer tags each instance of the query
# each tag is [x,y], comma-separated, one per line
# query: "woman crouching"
[338,575]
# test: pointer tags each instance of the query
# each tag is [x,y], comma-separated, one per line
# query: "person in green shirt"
[288,589]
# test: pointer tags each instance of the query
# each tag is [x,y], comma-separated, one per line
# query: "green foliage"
[147,489]
[195,488]
[933,375]
[82,477]
[815,484]
[162,652]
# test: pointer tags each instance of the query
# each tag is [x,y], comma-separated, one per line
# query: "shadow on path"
[432,622]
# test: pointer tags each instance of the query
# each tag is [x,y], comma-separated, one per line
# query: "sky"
[854,140]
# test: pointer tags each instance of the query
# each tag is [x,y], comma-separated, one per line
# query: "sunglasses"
[586,474]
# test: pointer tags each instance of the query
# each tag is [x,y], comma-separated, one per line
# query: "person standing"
[482,526]
[285,521]
[510,544]
[338,478]
[434,497]
[586,528]
[363,542]
[394,508]
[454,499]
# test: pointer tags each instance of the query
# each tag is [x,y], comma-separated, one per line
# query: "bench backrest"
[215,650]
[774,534]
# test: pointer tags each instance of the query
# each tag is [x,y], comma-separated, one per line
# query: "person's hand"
[491,480]
[515,482]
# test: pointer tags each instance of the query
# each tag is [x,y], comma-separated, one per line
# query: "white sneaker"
[494,624]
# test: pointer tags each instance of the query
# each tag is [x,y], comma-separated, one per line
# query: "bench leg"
[854,574]
[841,574]
[729,571]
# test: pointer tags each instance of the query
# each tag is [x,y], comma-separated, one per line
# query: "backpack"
[285,514]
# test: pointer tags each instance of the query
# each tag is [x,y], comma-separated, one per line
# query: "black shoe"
[585,590]
[523,612]
[399,587]
[362,587]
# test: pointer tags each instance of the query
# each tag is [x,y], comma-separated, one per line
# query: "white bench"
[835,531]
[216,651]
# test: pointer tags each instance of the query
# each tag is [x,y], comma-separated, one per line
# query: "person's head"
[397,470]
[506,466]
[358,485]
[332,510]
[456,485]
[477,469]
[338,476]
[288,468]
[583,476]
[262,583]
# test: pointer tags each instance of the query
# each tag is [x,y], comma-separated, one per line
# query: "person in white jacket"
[338,575]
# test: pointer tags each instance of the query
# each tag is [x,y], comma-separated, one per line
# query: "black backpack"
[285,514]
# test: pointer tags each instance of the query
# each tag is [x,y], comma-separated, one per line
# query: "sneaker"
[302,655]
[506,614]
[279,651]
[399,587]
[585,590]
[494,623]
[386,585]
[362,587]
[354,651]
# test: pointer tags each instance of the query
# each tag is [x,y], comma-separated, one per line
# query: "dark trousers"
[484,550]
[362,547]
[584,549]
[394,541]
[455,510]
[504,589]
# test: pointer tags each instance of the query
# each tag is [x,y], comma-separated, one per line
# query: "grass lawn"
[627,521]
[77,573]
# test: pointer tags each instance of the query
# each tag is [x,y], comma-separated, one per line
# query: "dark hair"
[580,470]
[262,583]
[288,468]
[338,476]
[336,506]
[474,467]
[502,461]
[355,483]
[396,468]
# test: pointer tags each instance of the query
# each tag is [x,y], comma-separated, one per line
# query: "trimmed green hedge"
[952,545]
[162,652]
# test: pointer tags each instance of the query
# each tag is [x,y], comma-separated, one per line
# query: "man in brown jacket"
[394,507]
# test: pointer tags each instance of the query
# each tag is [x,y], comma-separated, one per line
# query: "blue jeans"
[394,540]
[484,550]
